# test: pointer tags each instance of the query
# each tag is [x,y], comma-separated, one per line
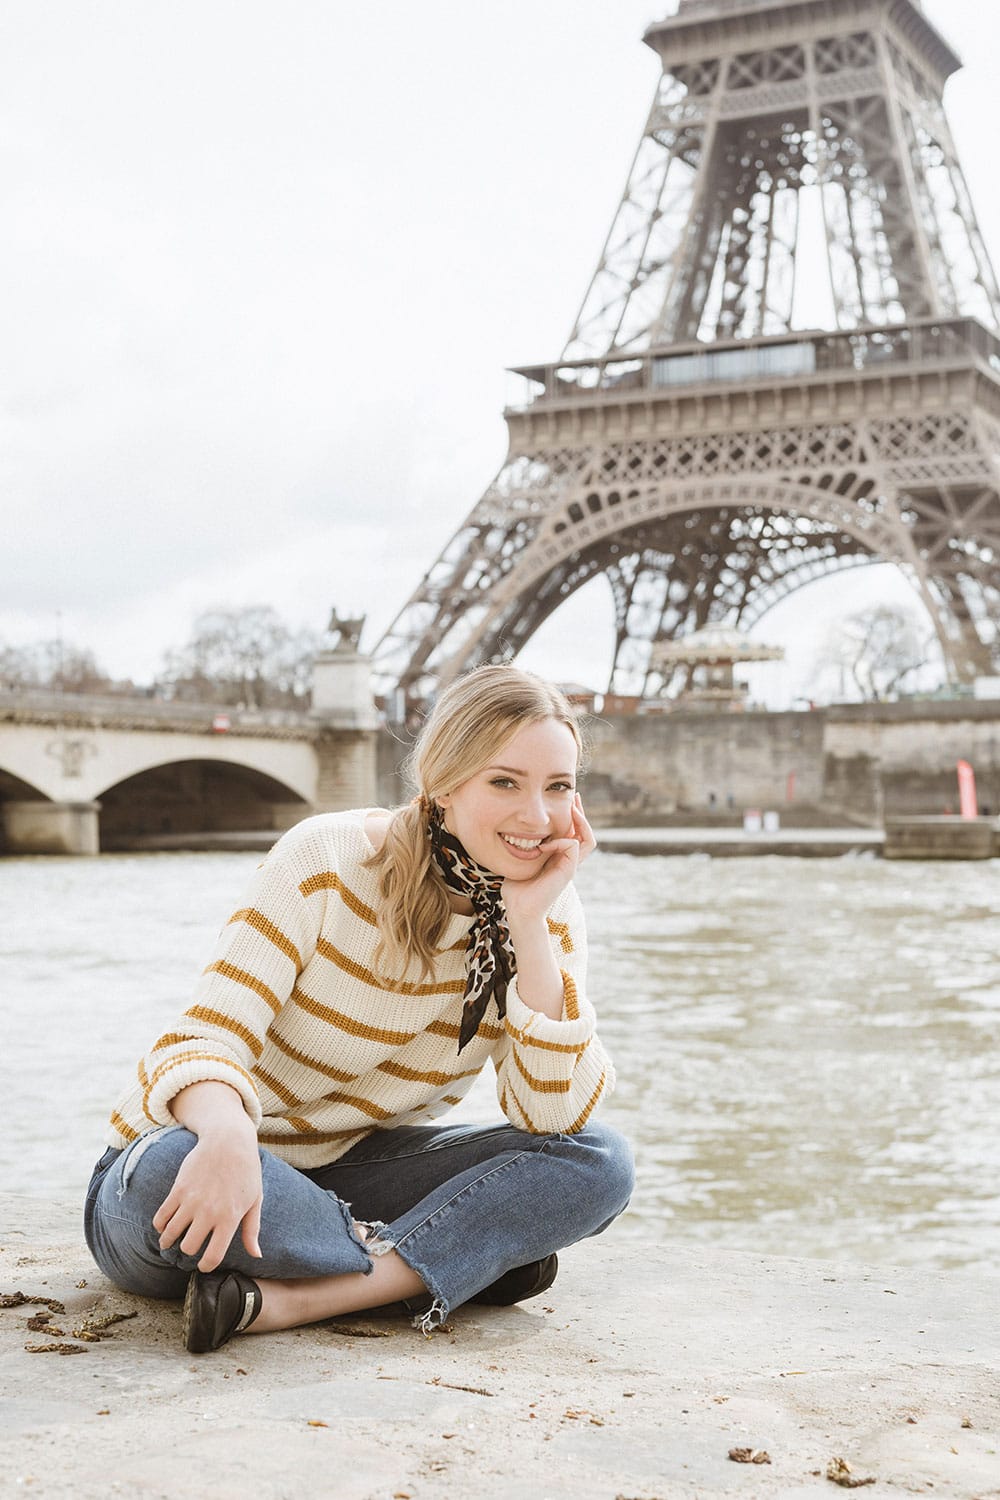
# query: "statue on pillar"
[346,631]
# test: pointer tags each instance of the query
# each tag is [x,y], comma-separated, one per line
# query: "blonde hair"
[475,716]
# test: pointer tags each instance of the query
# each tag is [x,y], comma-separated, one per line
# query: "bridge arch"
[175,799]
[14,788]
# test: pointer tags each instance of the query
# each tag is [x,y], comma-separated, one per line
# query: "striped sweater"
[291,1015]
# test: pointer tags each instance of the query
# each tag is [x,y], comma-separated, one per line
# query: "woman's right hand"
[218,1188]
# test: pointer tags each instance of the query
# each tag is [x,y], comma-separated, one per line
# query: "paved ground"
[631,1379]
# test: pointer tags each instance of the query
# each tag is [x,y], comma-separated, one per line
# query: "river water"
[806,1049]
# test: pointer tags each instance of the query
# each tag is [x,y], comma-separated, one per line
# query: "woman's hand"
[539,981]
[532,898]
[218,1187]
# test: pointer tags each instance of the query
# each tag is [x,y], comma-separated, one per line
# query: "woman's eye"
[501,781]
[563,786]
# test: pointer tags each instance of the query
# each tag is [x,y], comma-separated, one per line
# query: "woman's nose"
[533,811]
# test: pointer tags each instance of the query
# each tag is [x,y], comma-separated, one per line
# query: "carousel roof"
[715,643]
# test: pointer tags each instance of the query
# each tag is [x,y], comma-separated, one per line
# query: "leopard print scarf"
[489,955]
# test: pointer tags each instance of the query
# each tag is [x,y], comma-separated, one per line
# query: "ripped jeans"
[461,1204]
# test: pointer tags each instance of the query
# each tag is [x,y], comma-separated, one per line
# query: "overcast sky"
[263,267]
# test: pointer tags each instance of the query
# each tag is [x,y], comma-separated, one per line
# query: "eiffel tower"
[697,445]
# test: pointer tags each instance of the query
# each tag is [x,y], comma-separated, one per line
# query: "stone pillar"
[347,726]
[40,827]
[341,687]
[347,772]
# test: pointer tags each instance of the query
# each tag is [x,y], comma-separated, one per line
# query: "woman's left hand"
[529,899]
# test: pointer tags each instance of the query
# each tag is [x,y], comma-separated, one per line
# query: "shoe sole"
[189,1330]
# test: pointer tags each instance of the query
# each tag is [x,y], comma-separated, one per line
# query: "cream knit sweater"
[291,1015]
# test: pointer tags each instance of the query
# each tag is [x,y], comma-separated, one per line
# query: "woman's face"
[503,813]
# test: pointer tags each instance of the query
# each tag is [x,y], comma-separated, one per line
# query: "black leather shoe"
[520,1283]
[217,1305]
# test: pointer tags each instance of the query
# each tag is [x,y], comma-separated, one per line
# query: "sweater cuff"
[174,1074]
[574,1030]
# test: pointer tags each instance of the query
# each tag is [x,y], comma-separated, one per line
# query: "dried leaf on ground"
[749,1456]
[91,1330]
[20,1299]
[56,1348]
[41,1323]
[576,1415]
[363,1330]
[476,1390]
[840,1472]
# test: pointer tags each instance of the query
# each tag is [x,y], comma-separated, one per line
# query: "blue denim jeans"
[461,1204]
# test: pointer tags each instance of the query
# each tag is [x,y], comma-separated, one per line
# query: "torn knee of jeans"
[138,1149]
[373,1236]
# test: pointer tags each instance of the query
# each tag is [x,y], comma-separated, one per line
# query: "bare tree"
[52,664]
[244,657]
[880,648]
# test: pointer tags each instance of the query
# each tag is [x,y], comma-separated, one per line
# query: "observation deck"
[927,347]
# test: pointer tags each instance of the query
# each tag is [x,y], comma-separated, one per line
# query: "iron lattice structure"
[694,444]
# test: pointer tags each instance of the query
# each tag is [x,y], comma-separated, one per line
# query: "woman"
[274,1155]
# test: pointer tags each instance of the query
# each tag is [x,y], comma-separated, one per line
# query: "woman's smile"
[522,848]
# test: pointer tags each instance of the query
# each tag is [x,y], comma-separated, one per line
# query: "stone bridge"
[79,773]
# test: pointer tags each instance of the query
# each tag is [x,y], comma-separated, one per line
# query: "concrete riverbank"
[662,839]
[634,1376]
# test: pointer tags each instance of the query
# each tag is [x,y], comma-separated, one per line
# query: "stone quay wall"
[855,763]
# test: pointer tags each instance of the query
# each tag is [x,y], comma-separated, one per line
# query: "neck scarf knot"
[489,954]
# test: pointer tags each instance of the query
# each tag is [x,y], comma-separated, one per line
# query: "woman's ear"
[443,799]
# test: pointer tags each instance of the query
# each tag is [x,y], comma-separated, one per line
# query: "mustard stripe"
[413,1075]
[348,1023]
[142,1074]
[123,1127]
[240,976]
[278,1089]
[226,1023]
[258,921]
[560,930]
[445,1028]
[179,1058]
[529,1124]
[298,1123]
[365,1106]
[392,987]
[581,1119]
[337,1074]
[542,1085]
[451,1098]
[327,880]
[171,1038]
[570,999]
[317,1137]
[527,1040]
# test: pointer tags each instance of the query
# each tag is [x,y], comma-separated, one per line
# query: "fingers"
[584,833]
[168,1221]
[251,1230]
[216,1248]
